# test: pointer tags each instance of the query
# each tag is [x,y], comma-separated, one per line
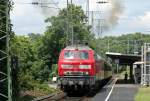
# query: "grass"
[143,94]
[26,98]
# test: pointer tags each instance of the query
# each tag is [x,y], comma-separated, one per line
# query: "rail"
[60,96]
[55,96]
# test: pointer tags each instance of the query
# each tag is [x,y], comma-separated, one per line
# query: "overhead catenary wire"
[55,4]
[36,3]
[41,4]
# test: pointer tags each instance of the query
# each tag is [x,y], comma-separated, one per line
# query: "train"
[81,68]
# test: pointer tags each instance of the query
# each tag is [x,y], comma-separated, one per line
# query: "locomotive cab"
[76,67]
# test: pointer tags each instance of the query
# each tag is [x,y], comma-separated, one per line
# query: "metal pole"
[92,22]
[135,46]
[98,28]
[108,48]
[128,47]
[72,37]
[5,72]
[145,64]
[87,11]
[67,24]
[142,58]
[101,27]
[8,51]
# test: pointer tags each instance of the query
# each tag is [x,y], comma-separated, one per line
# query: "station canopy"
[123,59]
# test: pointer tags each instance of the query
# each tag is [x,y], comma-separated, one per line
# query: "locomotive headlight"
[86,73]
[67,66]
[85,66]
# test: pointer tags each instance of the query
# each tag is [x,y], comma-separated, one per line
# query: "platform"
[121,92]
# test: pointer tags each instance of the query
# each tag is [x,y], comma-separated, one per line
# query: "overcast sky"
[135,17]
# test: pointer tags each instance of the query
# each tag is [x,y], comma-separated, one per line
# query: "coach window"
[106,66]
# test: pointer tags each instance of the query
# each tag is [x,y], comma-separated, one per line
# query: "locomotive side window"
[76,55]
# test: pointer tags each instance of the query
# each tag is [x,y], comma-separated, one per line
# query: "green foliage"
[143,94]
[126,44]
[73,16]
[31,67]
[55,37]
[54,71]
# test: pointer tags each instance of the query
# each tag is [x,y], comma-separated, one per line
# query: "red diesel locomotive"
[80,67]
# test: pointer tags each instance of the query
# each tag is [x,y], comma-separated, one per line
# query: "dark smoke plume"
[115,12]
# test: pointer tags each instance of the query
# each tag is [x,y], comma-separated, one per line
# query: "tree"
[55,37]
[125,44]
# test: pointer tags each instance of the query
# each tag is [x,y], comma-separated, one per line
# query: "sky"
[134,16]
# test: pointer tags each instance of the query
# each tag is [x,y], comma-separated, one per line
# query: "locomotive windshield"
[76,55]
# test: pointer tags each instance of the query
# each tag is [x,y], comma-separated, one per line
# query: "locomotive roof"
[79,47]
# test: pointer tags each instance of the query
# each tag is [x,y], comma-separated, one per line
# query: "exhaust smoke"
[115,11]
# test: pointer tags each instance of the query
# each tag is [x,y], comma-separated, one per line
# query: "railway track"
[60,96]
[74,99]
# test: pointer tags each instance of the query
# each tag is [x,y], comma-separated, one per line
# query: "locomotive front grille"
[72,80]
[72,73]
